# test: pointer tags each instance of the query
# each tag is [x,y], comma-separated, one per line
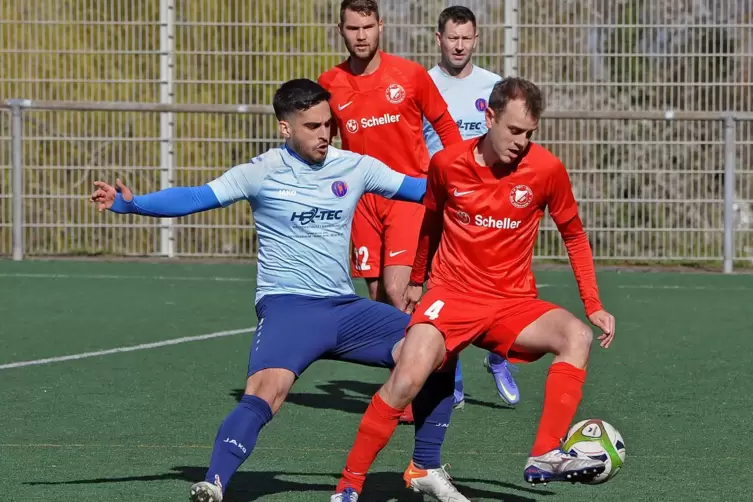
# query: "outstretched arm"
[241,182]
[168,203]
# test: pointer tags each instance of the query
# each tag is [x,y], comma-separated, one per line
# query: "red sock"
[375,431]
[562,395]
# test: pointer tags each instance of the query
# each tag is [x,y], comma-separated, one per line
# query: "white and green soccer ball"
[598,440]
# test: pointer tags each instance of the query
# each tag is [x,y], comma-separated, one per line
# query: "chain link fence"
[650,190]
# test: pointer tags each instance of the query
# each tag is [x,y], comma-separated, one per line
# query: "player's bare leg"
[265,392]
[561,333]
[422,352]
[376,289]
[392,284]
[394,281]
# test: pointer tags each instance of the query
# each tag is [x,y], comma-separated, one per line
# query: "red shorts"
[385,233]
[492,324]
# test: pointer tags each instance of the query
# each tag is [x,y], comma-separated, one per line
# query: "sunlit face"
[510,131]
[307,133]
[361,33]
[457,43]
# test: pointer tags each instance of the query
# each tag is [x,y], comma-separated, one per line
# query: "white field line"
[133,348]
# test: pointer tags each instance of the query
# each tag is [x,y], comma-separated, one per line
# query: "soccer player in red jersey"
[379,101]
[484,201]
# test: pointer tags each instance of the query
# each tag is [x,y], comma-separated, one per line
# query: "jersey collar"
[300,159]
[451,77]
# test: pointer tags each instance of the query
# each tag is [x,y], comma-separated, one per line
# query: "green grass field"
[139,425]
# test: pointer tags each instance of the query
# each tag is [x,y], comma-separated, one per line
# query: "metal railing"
[709,237]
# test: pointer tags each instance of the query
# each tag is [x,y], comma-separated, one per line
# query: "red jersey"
[381,114]
[490,220]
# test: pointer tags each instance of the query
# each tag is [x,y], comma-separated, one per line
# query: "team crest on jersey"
[521,196]
[339,188]
[395,94]
[351,126]
[481,104]
[463,217]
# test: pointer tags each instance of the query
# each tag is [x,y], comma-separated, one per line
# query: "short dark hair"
[511,88]
[297,95]
[458,15]
[363,7]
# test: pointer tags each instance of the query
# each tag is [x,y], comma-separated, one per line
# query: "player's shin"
[374,432]
[562,395]
[236,439]
[432,410]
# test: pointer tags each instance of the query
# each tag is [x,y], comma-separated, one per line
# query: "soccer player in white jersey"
[303,196]
[466,89]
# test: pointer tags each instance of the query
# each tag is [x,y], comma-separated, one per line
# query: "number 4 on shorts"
[433,311]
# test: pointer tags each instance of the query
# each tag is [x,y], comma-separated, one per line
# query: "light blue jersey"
[466,99]
[303,215]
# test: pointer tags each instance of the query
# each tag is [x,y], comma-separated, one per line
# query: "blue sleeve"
[411,190]
[169,203]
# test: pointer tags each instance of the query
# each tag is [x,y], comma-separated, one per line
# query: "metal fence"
[642,198]
[650,189]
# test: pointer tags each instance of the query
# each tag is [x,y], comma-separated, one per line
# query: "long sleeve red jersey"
[489,222]
[381,114]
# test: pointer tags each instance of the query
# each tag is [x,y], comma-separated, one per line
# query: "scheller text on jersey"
[373,121]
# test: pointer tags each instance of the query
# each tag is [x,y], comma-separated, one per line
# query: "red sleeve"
[434,108]
[431,227]
[564,211]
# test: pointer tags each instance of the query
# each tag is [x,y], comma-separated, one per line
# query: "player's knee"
[404,385]
[272,385]
[578,337]
[373,287]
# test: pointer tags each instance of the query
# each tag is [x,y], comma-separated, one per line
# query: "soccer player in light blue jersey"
[466,89]
[303,196]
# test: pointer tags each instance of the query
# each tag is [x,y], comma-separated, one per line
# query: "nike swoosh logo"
[458,194]
[415,474]
[343,107]
[509,396]
[395,253]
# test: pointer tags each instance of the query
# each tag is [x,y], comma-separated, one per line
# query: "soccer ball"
[598,440]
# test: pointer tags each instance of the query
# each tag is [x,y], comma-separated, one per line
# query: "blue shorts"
[294,331]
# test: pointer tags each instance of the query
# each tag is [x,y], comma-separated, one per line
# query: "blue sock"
[495,359]
[432,409]
[236,438]
[458,378]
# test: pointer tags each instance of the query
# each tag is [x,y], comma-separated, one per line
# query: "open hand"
[105,194]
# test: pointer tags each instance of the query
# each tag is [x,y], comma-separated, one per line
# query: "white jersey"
[467,99]
[303,215]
